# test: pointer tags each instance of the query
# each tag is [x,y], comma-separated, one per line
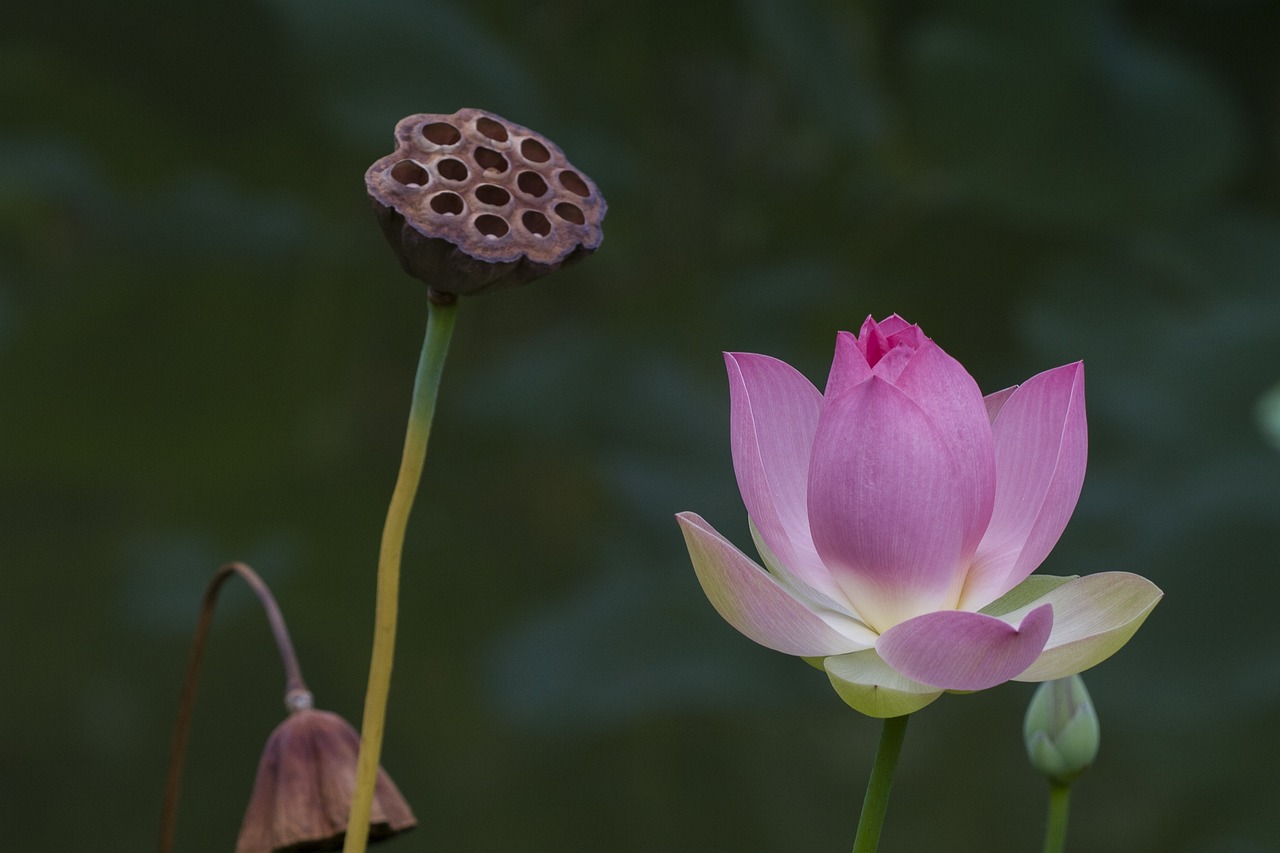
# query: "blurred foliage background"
[206,352]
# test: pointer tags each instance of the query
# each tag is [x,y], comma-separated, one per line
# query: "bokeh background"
[206,353]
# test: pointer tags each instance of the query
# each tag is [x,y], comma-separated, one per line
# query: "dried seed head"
[303,790]
[472,202]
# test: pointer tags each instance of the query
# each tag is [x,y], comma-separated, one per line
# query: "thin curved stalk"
[295,689]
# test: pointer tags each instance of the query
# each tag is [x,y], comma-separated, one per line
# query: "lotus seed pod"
[471,202]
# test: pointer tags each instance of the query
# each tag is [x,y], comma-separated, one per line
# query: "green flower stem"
[876,802]
[1055,836]
[435,347]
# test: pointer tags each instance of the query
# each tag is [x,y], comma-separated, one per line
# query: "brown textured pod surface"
[303,790]
[472,202]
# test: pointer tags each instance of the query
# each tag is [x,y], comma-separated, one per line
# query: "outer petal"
[1041,444]
[1093,617]
[773,418]
[816,599]
[888,508]
[942,387]
[872,687]
[751,600]
[959,650]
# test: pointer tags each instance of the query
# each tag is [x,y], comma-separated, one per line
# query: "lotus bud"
[471,202]
[302,793]
[1061,729]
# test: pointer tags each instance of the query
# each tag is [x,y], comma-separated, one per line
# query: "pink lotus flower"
[900,515]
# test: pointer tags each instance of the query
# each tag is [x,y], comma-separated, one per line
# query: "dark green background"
[206,353]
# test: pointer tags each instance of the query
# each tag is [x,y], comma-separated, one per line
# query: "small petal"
[891,365]
[752,601]
[1094,616]
[959,650]
[870,686]
[871,341]
[1031,590]
[889,345]
[895,325]
[995,401]
[848,366]
[1041,445]
[773,417]
[888,509]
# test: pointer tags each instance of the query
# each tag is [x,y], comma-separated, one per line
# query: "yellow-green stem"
[430,364]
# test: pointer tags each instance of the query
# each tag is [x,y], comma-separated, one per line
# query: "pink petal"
[942,387]
[1041,444]
[995,401]
[871,341]
[892,363]
[888,507]
[898,332]
[893,325]
[817,600]
[887,347]
[1094,616]
[960,650]
[755,603]
[848,367]
[773,418]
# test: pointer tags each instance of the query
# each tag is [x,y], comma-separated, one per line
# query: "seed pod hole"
[440,133]
[531,183]
[491,129]
[491,226]
[447,204]
[410,174]
[536,223]
[491,195]
[574,183]
[534,151]
[570,213]
[452,170]
[489,159]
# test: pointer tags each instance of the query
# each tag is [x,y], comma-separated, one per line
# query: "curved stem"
[1055,836]
[296,693]
[430,364]
[876,802]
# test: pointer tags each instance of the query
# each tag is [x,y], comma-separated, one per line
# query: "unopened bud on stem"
[1061,729]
